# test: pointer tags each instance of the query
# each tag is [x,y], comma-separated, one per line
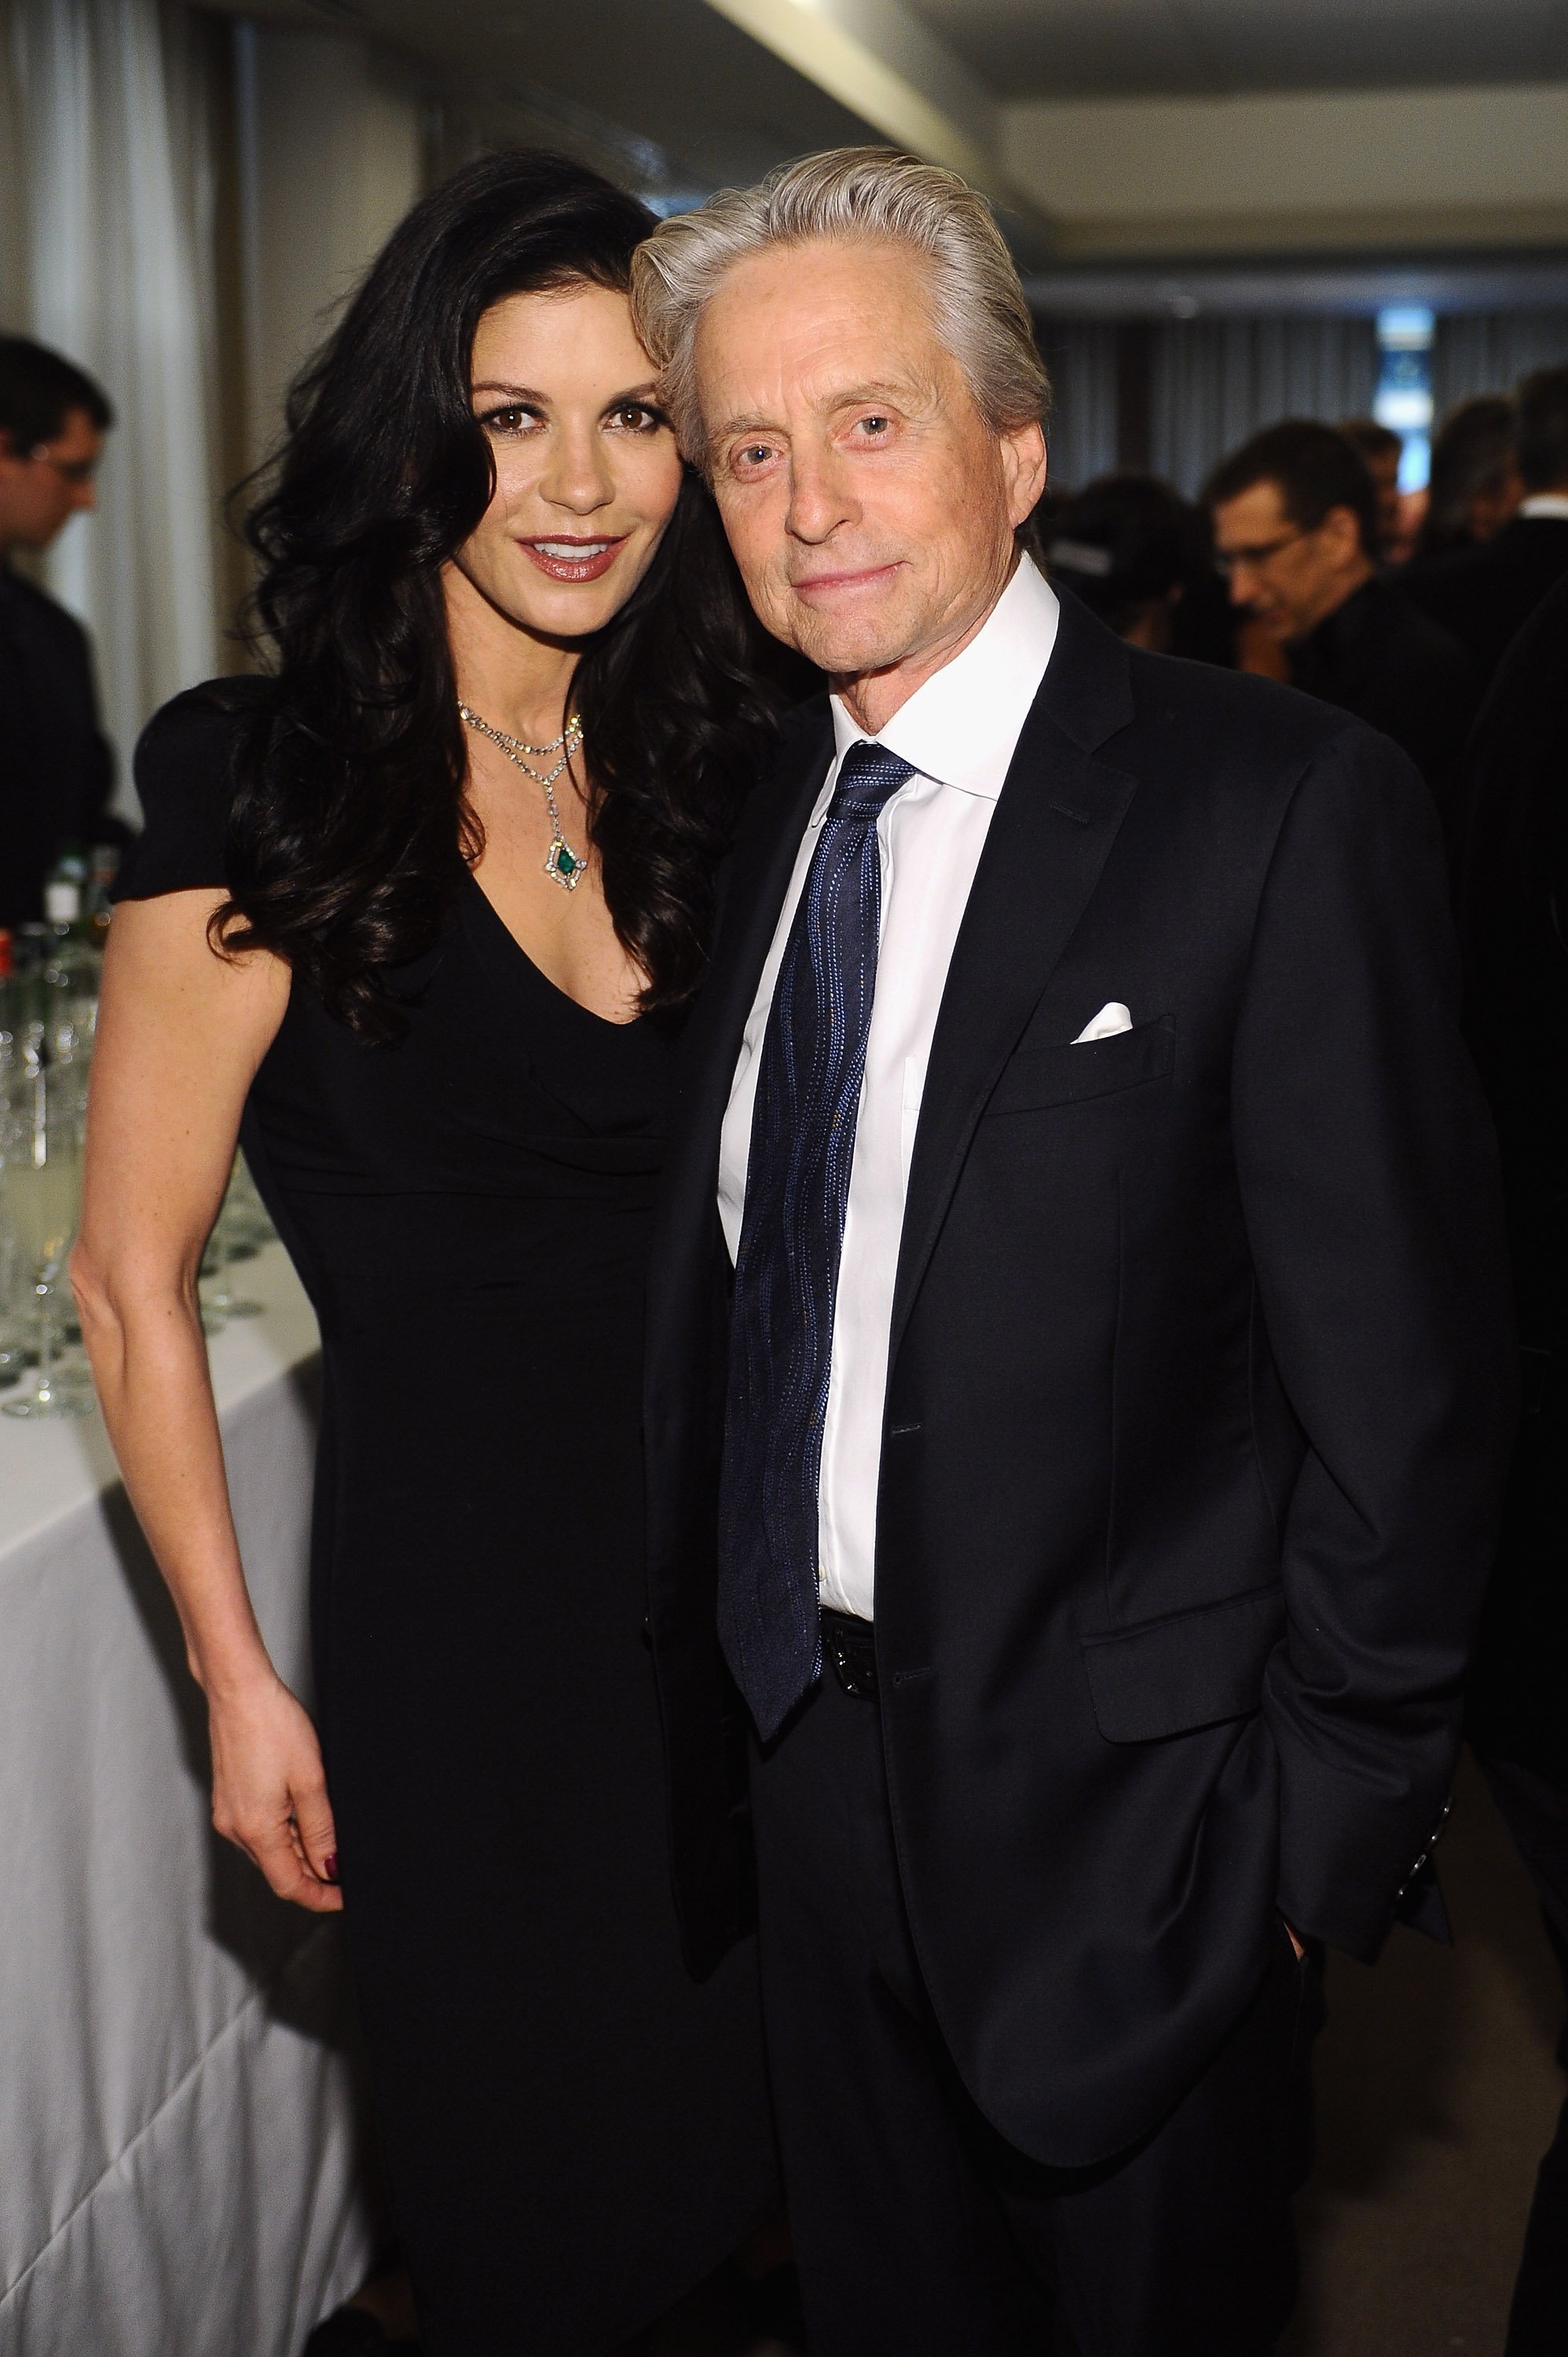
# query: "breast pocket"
[1039,1077]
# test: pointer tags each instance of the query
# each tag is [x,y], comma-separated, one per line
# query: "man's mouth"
[844,577]
[566,558]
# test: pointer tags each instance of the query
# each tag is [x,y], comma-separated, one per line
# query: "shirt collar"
[961,725]
[1545,503]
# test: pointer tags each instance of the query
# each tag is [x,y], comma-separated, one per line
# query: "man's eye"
[875,424]
[754,454]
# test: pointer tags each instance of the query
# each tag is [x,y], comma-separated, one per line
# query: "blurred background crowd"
[1300,275]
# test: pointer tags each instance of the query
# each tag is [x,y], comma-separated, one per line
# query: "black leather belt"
[850,1644]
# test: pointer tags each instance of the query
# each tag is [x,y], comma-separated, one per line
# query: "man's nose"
[818,502]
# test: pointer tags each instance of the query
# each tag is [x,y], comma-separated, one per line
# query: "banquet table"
[182,2168]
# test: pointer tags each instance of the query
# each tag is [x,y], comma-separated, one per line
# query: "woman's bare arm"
[181,1031]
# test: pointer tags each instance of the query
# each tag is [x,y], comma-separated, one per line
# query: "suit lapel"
[1055,822]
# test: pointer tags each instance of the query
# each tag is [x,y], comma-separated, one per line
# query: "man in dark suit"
[56,772]
[1483,596]
[1109,1407]
[1295,524]
[1513,892]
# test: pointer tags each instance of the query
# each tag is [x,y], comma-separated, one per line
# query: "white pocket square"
[1106,1024]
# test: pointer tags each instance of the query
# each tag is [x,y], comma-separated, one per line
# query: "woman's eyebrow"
[512,392]
[645,393]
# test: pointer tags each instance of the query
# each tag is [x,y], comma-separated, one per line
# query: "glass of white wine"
[42,1185]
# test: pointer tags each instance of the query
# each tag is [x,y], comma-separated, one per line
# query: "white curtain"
[1080,355]
[113,172]
[1488,351]
[1216,381]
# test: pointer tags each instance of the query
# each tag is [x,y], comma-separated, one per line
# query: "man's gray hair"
[859,194]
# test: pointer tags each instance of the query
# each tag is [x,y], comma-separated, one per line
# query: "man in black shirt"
[55,764]
[1485,595]
[1296,530]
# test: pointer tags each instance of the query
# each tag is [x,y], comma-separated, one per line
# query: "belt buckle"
[858,1677]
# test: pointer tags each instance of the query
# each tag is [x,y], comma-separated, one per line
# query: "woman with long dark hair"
[415,916]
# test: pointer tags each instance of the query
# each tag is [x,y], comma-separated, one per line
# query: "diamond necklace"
[560,861]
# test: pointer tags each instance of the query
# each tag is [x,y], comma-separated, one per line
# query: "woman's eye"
[635,417]
[509,421]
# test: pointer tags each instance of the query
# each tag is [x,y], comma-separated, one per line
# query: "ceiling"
[683,97]
[1102,48]
[1108,132]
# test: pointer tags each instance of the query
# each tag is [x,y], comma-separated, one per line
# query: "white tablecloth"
[179,2172]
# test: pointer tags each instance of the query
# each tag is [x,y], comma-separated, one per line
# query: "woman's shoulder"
[185,735]
[184,770]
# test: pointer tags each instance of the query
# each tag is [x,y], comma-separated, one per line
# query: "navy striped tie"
[785,1280]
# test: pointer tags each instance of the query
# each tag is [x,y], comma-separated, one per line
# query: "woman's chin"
[569,609]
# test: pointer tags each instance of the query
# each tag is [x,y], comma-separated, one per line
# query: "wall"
[330,139]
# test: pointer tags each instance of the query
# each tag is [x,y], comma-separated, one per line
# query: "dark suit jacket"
[1483,596]
[1378,656]
[56,772]
[1200,1389]
[1513,877]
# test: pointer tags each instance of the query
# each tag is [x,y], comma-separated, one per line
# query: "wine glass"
[42,1185]
[234,1237]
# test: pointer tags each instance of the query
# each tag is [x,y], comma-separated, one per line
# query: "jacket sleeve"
[1370,1190]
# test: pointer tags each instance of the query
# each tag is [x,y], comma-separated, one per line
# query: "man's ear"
[1342,527]
[1024,468]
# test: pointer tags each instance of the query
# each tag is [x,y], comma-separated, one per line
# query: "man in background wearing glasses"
[1295,531]
[56,770]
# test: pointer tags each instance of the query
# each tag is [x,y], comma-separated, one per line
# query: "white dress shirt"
[1545,503]
[960,730]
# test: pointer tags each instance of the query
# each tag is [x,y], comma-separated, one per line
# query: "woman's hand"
[269,1793]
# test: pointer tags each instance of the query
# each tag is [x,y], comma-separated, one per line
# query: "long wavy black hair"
[349,810]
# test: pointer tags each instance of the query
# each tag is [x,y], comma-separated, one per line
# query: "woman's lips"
[565,559]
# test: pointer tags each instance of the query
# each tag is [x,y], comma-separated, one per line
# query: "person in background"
[1513,892]
[1485,598]
[1381,452]
[1141,557]
[1475,486]
[56,770]
[1295,525]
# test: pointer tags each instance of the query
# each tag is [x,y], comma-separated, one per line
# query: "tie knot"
[869,776]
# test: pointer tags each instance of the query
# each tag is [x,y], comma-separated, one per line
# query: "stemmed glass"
[42,1186]
[236,1233]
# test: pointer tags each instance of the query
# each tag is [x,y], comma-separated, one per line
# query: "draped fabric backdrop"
[1216,381]
[1080,355]
[1488,351]
[109,257]
[1212,382]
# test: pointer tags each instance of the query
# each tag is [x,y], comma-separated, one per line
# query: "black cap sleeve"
[184,773]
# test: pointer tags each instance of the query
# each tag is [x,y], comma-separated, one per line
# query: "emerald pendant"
[563,865]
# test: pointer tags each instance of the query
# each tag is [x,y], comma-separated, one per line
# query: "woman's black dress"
[575,2132]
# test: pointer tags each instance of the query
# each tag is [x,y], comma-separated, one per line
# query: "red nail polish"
[329,1867]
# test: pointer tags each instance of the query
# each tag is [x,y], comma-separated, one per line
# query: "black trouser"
[919,2232]
[1537,1815]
